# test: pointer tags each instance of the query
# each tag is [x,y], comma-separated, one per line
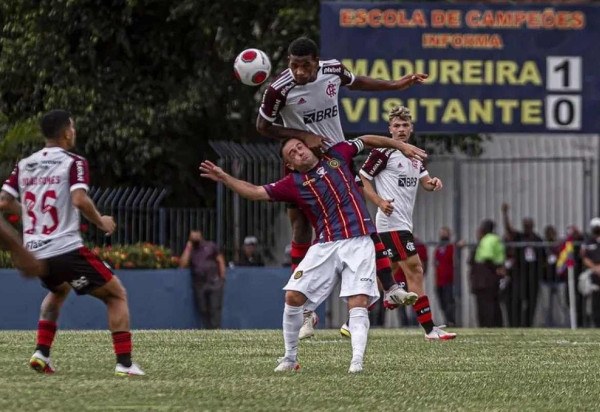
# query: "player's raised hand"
[411,79]
[314,142]
[211,171]
[386,206]
[412,152]
[107,225]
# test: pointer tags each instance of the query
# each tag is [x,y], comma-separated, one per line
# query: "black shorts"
[400,244]
[80,268]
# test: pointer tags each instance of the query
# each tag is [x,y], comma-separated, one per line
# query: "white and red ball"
[252,67]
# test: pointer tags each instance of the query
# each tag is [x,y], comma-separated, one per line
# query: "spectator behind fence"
[590,254]
[444,274]
[287,256]
[250,255]
[207,269]
[552,306]
[487,267]
[529,264]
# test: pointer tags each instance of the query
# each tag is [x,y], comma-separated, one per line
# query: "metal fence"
[238,217]
[140,218]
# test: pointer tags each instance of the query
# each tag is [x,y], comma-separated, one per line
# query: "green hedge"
[136,256]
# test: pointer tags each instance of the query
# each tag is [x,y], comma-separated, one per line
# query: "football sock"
[423,312]
[383,264]
[297,253]
[122,345]
[359,330]
[400,279]
[292,322]
[45,336]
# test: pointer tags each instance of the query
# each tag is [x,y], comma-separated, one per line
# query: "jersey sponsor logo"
[36,244]
[80,283]
[332,70]
[80,170]
[314,116]
[286,89]
[298,274]
[331,90]
[375,166]
[410,246]
[302,100]
[30,167]
[276,107]
[334,163]
[400,165]
[405,181]
[309,181]
[366,280]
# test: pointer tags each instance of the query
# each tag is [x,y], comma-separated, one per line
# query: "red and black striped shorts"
[400,244]
[80,268]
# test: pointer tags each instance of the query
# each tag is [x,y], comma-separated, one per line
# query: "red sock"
[400,279]
[45,336]
[423,312]
[297,253]
[122,345]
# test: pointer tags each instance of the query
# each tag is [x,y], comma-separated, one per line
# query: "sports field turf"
[233,370]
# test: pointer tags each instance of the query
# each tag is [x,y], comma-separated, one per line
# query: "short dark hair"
[487,226]
[54,122]
[283,143]
[303,46]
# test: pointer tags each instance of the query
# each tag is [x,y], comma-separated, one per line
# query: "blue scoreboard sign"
[514,68]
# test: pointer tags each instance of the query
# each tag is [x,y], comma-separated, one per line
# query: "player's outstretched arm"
[86,206]
[431,184]
[370,84]
[268,129]
[410,151]
[23,259]
[246,189]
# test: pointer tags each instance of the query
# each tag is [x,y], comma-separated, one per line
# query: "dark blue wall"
[158,299]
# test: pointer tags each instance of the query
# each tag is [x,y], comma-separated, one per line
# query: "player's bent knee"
[358,301]
[294,298]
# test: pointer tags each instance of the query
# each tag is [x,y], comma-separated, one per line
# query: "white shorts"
[351,259]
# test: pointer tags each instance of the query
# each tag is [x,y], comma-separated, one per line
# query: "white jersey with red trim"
[396,177]
[313,106]
[43,183]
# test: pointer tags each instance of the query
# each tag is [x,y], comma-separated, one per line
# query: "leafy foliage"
[148,82]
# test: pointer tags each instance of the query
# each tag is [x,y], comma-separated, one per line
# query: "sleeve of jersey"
[423,171]
[79,176]
[375,163]
[272,103]
[347,76]
[283,190]
[11,185]
[348,149]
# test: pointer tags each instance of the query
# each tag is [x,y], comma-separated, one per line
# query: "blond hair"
[400,112]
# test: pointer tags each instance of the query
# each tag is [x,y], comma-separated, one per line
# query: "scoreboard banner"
[510,68]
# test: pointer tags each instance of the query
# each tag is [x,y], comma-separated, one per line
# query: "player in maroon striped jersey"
[325,190]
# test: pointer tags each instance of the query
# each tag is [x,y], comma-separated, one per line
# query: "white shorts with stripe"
[352,260]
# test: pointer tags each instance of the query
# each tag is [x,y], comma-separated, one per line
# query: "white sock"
[292,322]
[359,329]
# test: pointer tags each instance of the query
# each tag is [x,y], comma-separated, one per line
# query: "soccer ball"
[252,67]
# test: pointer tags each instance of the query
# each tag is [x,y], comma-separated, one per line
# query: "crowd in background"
[518,277]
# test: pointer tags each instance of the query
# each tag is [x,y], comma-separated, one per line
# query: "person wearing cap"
[590,254]
[250,255]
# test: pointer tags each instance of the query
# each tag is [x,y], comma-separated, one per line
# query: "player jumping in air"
[305,97]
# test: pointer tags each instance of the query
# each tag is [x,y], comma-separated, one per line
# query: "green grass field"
[233,370]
